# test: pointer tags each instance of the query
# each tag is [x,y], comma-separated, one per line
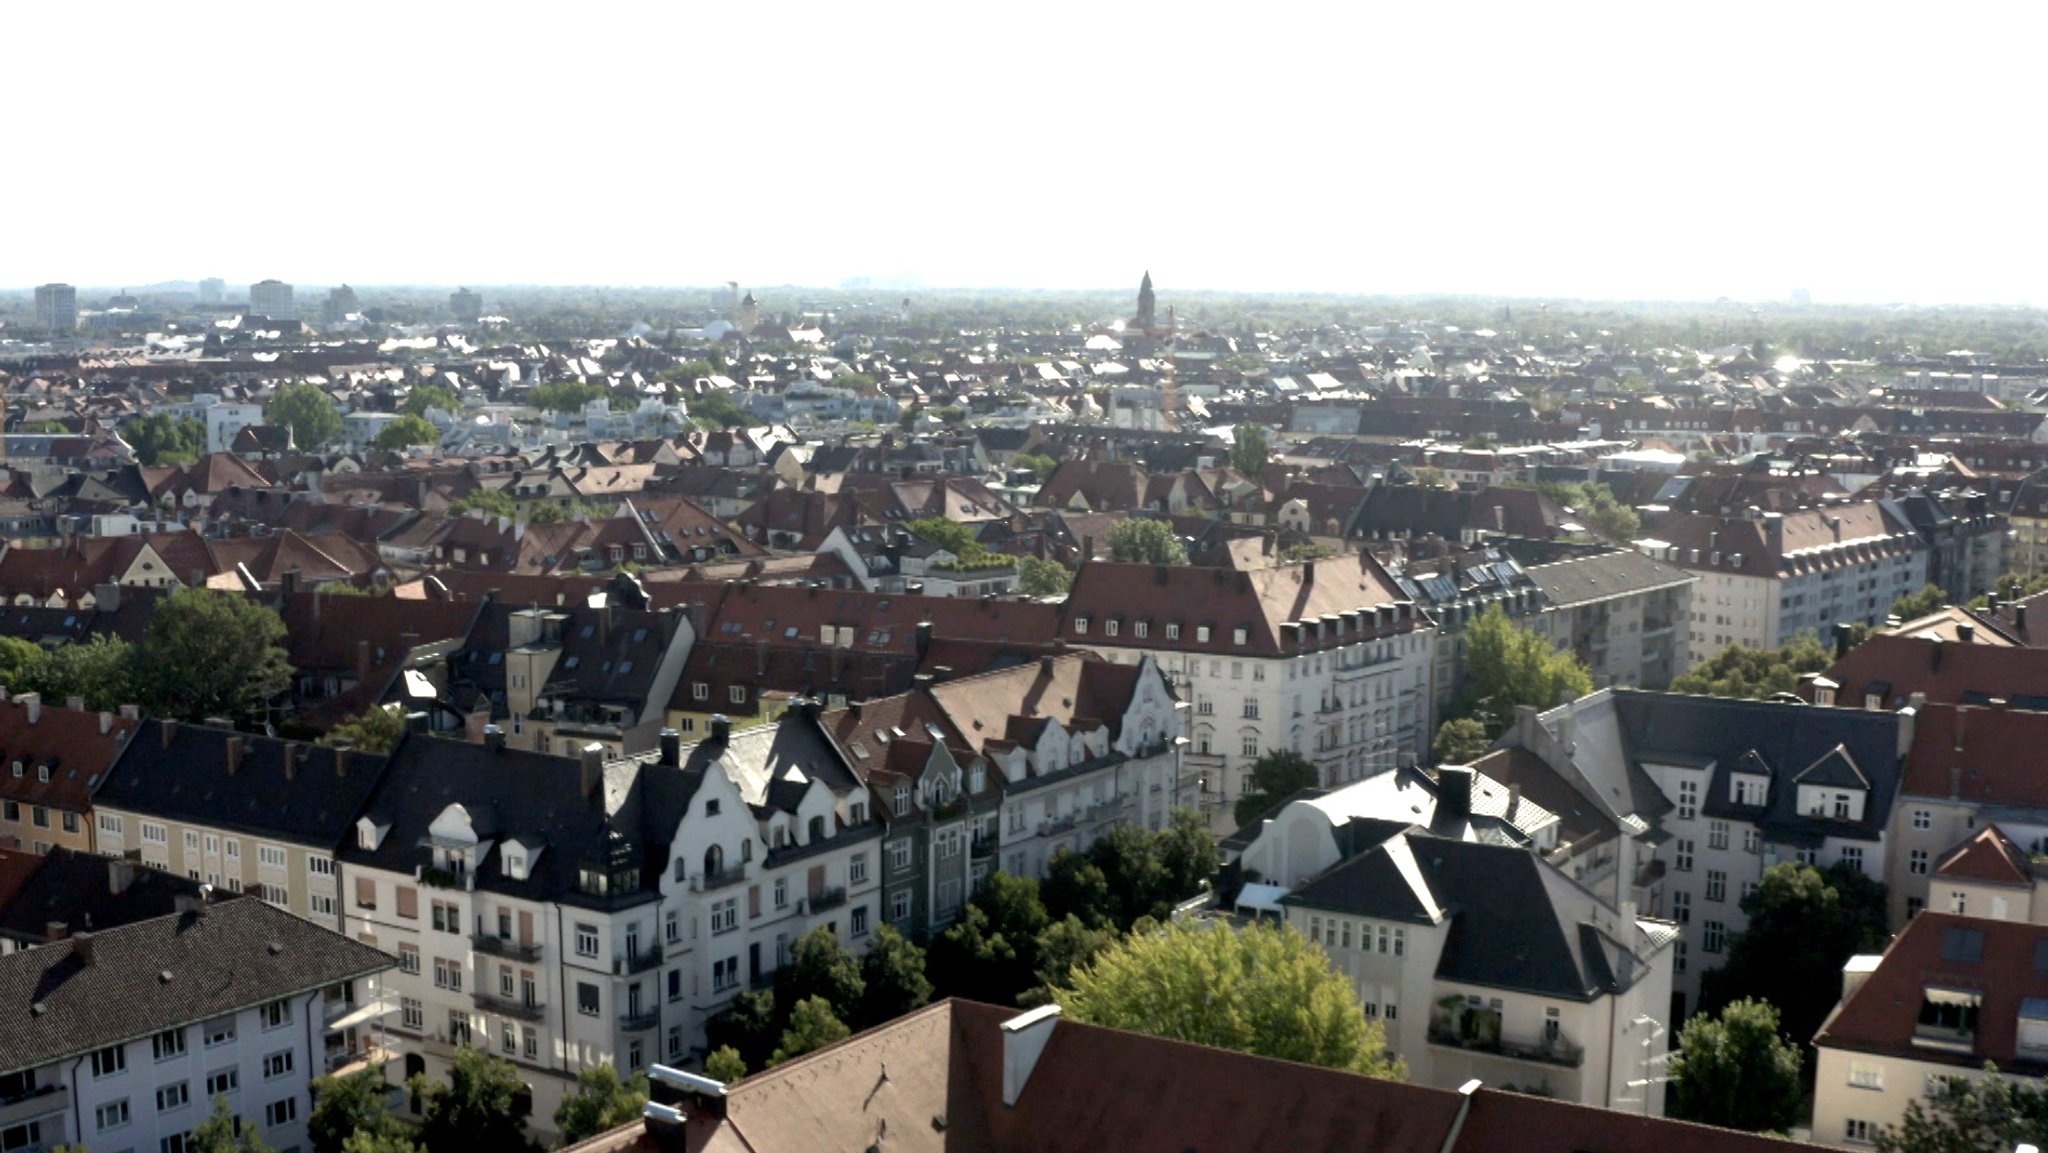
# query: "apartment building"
[1949,996]
[1627,615]
[51,760]
[1968,768]
[57,307]
[556,679]
[122,1039]
[272,299]
[236,811]
[1327,658]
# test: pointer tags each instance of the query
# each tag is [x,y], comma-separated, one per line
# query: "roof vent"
[163,976]
[275,948]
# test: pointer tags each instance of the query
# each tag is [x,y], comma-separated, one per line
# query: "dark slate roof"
[1787,738]
[164,972]
[79,890]
[180,772]
[1834,768]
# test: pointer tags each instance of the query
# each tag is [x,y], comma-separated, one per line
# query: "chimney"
[1935,647]
[54,931]
[1024,1040]
[1955,782]
[33,702]
[341,756]
[131,712]
[1453,791]
[363,659]
[721,728]
[2019,618]
[291,760]
[924,639]
[107,598]
[1966,633]
[75,704]
[170,732]
[120,875]
[494,738]
[592,763]
[106,722]
[671,747]
[1843,631]
[81,946]
[1857,970]
[234,755]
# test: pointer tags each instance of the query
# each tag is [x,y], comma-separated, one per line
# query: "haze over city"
[1592,152]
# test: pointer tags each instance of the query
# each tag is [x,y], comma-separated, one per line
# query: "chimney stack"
[1843,631]
[1453,791]
[291,760]
[33,702]
[1024,1040]
[170,732]
[341,756]
[721,728]
[671,747]
[120,875]
[494,738]
[234,755]
[592,777]
[1966,633]
[54,931]
[81,946]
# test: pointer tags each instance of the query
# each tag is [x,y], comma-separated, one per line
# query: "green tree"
[160,438]
[1971,1115]
[1075,887]
[717,409]
[376,731]
[405,432]
[308,412]
[223,1132]
[1248,449]
[951,414]
[102,671]
[955,538]
[1736,1070]
[725,1064]
[1754,674]
[426,396]
[1187,854]
[602,1101]
[1275,777]
[209,653]
[1460,741]
[853,382]
[812,1026]
[565,395]
[991,953]
[372,1142]
[750,1027]
[18,660]
[820,966]
[490,501]
[893,980]
[1257,990]
[1145,542]
[1068,945]
[482,1105]
[1037,577]
[1042,467]
[687,372]
[1930,599]
[1804,925]
[1507,665]
[357,1103]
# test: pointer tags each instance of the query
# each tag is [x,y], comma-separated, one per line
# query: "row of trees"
[205,654]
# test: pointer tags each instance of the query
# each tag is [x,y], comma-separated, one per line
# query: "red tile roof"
[1895,667]
[76,747]
[1990,856]
[1883,1014]
[1981,755]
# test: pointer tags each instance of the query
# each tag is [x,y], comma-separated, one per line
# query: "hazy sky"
[1866,152]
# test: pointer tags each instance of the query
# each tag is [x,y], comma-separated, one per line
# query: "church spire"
[1145,302]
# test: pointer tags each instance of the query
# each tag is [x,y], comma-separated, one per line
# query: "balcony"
[1057,825]
[39,1102]
[981,848]
[825,899]
[1478,1031]
[639,1022]
[504,947]
[722,879]
[627,964]
[509,1007]
[1110,810]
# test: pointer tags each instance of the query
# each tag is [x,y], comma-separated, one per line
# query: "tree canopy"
[1145,542]
[482,1105]
[1913,606]
[426,396]
[1041,467]
[812,1026]
[1257,990]
[405,432]
[717,409]
[1736,1070]
[208,654]
[601,1101]
[1038,577]
[160,438]
[1507,665]
[1460,741]
[1971,1115]
[1248,449]
[1275,777]
[725,1064]
[357,1103]
[490,501]
[308,412]
[1754,674]
[100,670]
[892,978]
[565,395]
[377,730]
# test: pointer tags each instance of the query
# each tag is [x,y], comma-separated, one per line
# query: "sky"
[1867,153]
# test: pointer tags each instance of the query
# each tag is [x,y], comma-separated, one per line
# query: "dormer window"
[1081,626]
[902,800]
[515,866]
[977,779]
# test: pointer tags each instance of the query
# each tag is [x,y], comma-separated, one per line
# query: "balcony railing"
[723,878]
[825,899]
[1047,828]
[41,1101]
[509,1007]
[504,947]
[1556,1051]
[626,964]
[1103,810]
[981,848]
[639,1022]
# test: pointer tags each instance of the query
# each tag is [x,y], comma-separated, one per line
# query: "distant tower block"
[273,299]
[466,305]
[903,311]
[750,314]
[1146,303]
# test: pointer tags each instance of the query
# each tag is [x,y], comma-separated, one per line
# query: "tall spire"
[1145,301]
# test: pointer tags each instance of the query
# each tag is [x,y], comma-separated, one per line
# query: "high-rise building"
[466,305]
[212,289]
[57,307]
[272,298]
[341,302]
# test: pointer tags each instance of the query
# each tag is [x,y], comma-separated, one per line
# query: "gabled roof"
[1989,856]
[1834,768]
[2003,962]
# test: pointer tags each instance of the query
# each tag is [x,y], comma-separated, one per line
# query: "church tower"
[1145,304]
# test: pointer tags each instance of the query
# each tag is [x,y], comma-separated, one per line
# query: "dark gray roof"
[168,971]
[180,772]
[1621,572]
[79,890]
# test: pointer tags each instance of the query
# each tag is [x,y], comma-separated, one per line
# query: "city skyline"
[1582,153]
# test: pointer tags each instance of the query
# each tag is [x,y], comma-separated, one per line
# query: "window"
[899,905]
[321,904]
[586,999]
[1752,841]
[152,833]
[42,817]
[274,894]
[1688,800]
[586,940]
[408,958]
[111,1115]
[1715,937]
[1717,885]
[12,810]
[529,1042]
[269,856]
[1173,632]
[1857,1132]
[1751,791]
[1109,628]
[725,974]
[737,694]
[1681,907]
[725,915]
[411,1014]
[219,1031]
[781,893]
[277,1064]
[857,868]
[1237,636]
[110,1060]
[1202,634]
[276,1014]
[222,1081]
[70,821]
[508,1038]
[675,984]
[282,1112]
[1923,819]
[1852,856]
[174,1096]
[1678,957]
[1682,852]
[1249,745]
[1717,835]
[700,691]
[860,921]
[447,918]
[168,1044]
[899,854]
[320,866]
[110,824]
[447,974]
[1251,708]
[1866,1075]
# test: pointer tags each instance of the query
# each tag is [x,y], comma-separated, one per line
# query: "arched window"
[714,861]
[817,829]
